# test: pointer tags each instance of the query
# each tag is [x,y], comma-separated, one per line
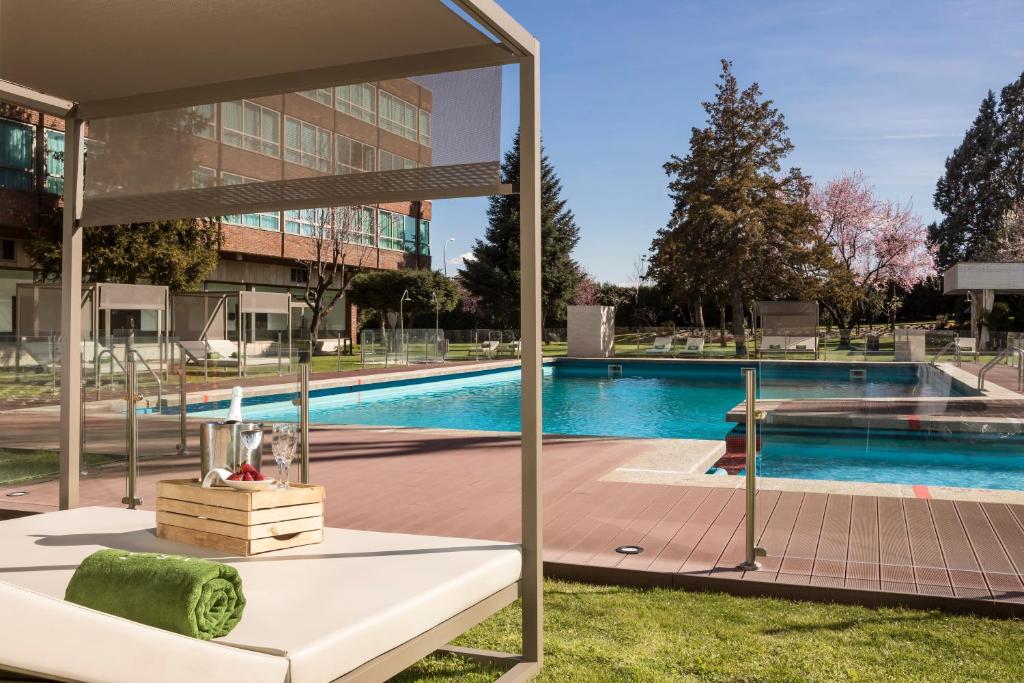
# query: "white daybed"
[693,346]
[360,606]
[786,345]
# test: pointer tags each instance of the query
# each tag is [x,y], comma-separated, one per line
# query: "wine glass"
[283,442]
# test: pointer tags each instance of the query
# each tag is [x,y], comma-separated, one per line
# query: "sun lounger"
[662,347]
[693,346]
[488,349]
[785,346]
[361,605]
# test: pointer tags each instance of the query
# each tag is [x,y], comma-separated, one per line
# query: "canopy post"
[532,371]
[71,316]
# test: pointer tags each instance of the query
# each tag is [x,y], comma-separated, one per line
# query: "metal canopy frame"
[507,43]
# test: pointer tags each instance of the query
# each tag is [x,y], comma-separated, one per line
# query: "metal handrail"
[1005,353]
[99,375]
[159,384]
[956,348]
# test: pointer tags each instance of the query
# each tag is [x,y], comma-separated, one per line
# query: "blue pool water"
[649,400]
[931,459]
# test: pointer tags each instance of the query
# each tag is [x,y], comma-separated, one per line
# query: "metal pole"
[531,368]
[182,407]
[53,365]
[304,419]
[278,354]
[339,350]
[131,433]
[751,563]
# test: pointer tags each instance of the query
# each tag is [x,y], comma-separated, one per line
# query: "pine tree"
[968,192]
[740,228]
[984,179]
[492,274]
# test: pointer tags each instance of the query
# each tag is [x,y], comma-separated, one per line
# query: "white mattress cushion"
[47,636]
[328,608]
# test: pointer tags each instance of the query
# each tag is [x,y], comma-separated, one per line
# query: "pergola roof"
[998,277]
[126,56]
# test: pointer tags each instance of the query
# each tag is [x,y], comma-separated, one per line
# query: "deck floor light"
[17,494]
[629,549]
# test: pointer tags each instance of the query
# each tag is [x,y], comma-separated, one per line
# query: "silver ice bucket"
[230,445]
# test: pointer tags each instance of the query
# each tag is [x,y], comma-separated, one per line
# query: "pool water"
[993,461]
[649,399]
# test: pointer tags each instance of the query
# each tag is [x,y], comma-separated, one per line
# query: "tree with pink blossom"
[877,244]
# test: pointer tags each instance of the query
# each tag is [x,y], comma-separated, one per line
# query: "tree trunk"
[736,302]
[721,325]
[698,314]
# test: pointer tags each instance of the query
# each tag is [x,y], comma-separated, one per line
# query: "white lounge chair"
[488,349]
[514,349]
[785,345]
[693,346]
[359,606]
[662,346]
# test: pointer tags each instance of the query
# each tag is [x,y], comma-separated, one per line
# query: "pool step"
[735,458]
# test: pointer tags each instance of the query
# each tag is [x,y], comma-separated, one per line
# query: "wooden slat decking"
[868,549]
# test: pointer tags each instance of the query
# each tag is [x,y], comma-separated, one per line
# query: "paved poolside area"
[833,546]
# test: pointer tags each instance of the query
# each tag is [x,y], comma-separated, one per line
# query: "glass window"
[54,161]
[358,100]
[392,230]
[356,224]
[394,162]
[353,156]
[397,116]
[410,234]
[204,177]
[425,238]
[204,120]
[269,220]
[425,128]
[306,144]
[301,222]
[16,145]
[321,95]
[251,126]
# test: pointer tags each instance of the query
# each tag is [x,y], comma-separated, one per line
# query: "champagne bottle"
[235,409]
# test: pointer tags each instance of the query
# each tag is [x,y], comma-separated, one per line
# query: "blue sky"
[887,88]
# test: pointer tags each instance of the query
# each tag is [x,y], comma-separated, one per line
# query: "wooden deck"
[873,550]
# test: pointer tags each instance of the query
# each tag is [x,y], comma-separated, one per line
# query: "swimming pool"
[652,399]
[979,461]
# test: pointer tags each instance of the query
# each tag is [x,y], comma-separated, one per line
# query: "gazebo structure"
[787,327]
[39,306]
[202,317]
[981,282]
[141,76]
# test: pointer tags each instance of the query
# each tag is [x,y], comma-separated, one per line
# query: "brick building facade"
[367,127]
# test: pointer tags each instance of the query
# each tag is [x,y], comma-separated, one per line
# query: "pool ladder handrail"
[956,353]
[1005,353]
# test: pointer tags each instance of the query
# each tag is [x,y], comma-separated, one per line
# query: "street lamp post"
[445,252]
[401,323]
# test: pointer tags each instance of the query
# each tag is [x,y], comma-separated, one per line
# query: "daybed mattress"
[327,608]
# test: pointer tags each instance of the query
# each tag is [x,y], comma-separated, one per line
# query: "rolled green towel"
[186,595]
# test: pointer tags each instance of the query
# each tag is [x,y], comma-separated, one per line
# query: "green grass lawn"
[18,466]
[601,633]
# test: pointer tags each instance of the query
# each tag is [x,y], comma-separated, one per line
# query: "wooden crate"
[239,522]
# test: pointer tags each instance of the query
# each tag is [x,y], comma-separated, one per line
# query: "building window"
[394,162]
[300,276]
[302,222]
[353,156]
[358,100]
[321,95]
[204,120]
[306,144]
[204,176]
[391,228]
[397,116]
[16,148]
[252,127]
[7,252]
[424,238]
[425,128]
[54,161]
[268,220]
[356,224]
